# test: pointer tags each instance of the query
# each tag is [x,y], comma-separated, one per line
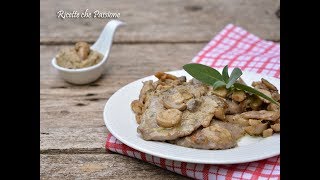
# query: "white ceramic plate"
[120,121]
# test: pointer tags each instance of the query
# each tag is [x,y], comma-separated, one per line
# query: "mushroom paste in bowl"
[79,56]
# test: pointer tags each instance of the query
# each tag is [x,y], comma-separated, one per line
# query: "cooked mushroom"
[254,122]
[174,101]
[237,119]
[268,84]
[162,76]
[276,127]
[259,85]
[169,118]
[275,95]
[267,93]
[220,113]
[267,133]
[182,79]
[262,115]
[83,49]
[233,107]
[136,106]
[245,105]
[222,91]
[257,129]
[238,95]
[256,103]
[273,107]
[193,104]
[185,94]
[163,87]
[175,82]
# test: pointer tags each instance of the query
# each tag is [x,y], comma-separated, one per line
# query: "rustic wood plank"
[100,166]
[73,140]
[159,20]
[66,105]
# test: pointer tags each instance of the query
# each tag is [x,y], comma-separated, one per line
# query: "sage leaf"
[235,74]
[225,74]
[218,84]
[254,91]
[203,73]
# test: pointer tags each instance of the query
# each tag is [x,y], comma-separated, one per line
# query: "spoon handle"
[104,42]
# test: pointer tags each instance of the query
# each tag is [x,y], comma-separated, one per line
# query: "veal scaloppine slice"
[219,135]
[190,121]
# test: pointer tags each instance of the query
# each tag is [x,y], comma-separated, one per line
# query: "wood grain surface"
[159,20]
[160,35]
[100,166]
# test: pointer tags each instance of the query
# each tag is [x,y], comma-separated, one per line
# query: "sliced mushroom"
[262,115]
[220,113]
[259,85]
[245,105]
[136,106]
[83,49]
[254,122]
[229,118]
[200,92]
[276,127]
[265,92]
[222,91]
[256,103]
[172,82]
[275,95]
[238,95]
[273,107]
[233,107]
[182,79]
[237,119]
[256,130]
[193,104]
[267,133]
[174,101]
[163,87]
[157,83]
[268,84]
[186,95]
[169,118]
[162,76]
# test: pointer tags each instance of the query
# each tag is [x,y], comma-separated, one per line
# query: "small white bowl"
[80,76]
[92,73]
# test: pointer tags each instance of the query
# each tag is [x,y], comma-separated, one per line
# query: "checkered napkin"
[237,48]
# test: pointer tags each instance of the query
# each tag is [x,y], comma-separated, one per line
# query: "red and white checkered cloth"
[237,48]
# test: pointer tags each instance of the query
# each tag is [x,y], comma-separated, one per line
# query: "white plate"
[120,121]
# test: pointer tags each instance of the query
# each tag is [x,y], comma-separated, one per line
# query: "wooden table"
[160,35]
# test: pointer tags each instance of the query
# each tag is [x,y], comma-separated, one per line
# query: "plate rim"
[168,156]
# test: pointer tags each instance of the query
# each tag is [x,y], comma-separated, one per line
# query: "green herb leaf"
[212,77]
[203,73]
[225,74]
[218,84]
[254,91]
[235,74]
